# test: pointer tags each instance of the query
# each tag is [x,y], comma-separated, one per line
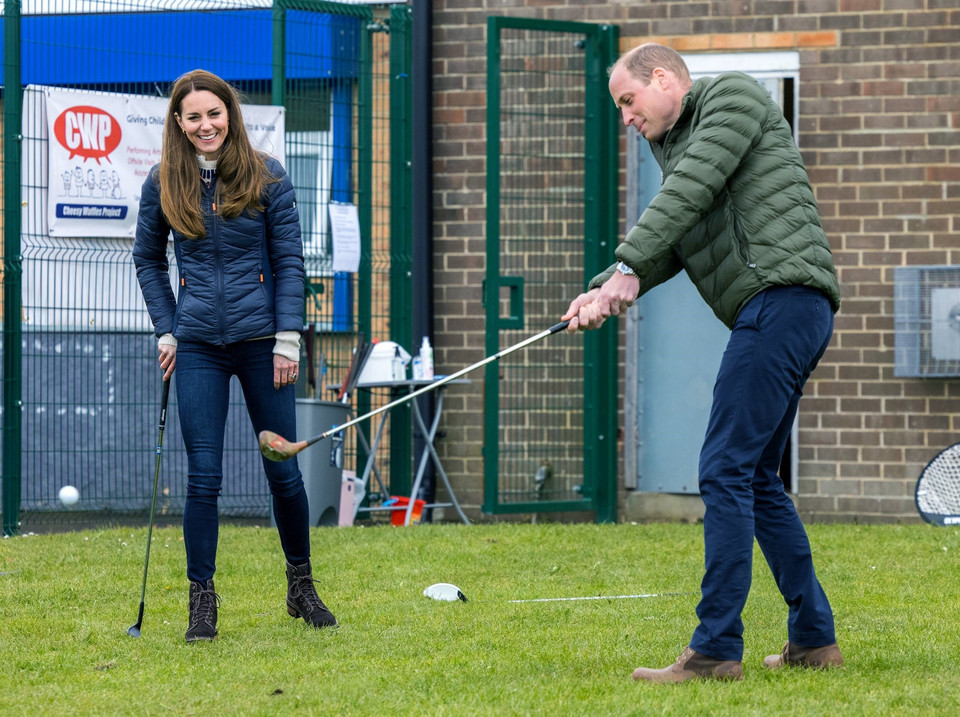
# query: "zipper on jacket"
[218,266]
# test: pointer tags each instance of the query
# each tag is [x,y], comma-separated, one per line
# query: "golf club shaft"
[440,382]
[153,502]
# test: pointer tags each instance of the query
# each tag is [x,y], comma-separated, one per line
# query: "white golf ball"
[69,495]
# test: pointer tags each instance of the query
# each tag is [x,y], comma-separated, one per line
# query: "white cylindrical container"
[426,359]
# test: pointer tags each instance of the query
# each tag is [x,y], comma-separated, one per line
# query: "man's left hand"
[590,310]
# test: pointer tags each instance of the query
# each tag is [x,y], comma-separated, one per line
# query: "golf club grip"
[164,398]
[443,381]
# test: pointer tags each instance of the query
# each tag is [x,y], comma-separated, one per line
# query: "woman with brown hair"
[238,311]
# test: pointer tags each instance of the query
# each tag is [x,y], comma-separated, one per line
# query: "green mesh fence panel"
[89,379]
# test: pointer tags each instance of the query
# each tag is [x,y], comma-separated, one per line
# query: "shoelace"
[303,588]
[202,604]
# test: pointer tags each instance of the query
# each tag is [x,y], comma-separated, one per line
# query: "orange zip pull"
[183,282]
[214,206]
[261,277]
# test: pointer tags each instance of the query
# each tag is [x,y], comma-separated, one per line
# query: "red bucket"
[398,512]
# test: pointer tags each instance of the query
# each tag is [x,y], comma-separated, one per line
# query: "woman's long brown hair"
[241,170]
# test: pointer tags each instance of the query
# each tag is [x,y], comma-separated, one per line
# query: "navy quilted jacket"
[736,209]
[244,280]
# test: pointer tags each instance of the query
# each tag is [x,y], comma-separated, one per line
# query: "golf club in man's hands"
[277,448]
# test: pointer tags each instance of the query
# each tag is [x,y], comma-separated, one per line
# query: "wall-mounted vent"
[927,321]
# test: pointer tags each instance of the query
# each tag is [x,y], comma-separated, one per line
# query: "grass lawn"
[67,599]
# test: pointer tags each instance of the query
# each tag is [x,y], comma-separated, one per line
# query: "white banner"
[101,147]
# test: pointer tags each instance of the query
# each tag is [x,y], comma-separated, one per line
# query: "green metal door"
[551,411]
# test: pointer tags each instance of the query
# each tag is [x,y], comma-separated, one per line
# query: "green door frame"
[601,198]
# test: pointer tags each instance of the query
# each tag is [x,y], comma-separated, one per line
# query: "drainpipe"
[422,209]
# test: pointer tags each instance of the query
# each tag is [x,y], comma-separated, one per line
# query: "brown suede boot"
[691,665]
[818,658]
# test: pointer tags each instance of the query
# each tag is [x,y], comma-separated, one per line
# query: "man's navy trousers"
[778,338]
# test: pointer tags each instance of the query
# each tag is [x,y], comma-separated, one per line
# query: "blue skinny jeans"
[203,390]
[777,340]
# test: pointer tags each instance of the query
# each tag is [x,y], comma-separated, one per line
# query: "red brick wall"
[879,115]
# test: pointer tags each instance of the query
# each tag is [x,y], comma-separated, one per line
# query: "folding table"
[427,433]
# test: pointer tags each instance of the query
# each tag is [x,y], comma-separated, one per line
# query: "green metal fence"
[81,385]
[551,225]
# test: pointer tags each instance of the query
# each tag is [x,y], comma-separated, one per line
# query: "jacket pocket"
[740,236]
[262,289]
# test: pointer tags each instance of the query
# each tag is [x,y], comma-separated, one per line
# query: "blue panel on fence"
[342,301]
[135,47]
[322,45]
[341,122]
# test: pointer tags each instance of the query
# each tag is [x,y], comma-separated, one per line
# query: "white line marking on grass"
[600,597]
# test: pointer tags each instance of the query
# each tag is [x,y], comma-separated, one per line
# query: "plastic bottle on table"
[398,370]
[426,359]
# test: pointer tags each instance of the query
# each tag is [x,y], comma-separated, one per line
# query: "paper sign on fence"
[345,228]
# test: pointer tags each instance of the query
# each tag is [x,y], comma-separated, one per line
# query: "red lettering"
[88,132]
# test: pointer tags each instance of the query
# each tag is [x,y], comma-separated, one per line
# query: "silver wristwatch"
[625,270]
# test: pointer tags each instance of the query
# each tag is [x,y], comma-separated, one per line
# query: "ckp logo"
[88,132]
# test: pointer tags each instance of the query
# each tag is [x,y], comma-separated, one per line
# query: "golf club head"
[134,631]
[277,448]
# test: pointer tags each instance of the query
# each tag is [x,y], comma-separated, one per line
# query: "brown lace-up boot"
[691,665]
[818,658]
[302,598]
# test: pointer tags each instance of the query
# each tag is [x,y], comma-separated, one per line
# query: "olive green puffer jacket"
[736,209]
